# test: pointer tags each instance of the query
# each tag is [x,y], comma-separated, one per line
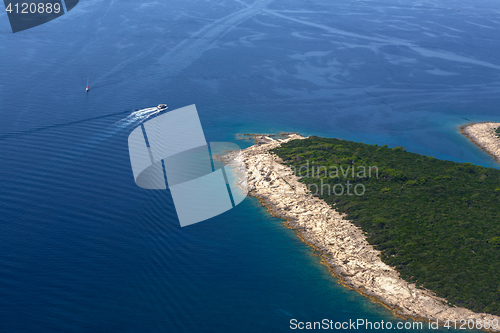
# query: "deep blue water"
[83,249]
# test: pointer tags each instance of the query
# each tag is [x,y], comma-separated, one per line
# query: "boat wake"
[132,118]
[136,117]
[131,121]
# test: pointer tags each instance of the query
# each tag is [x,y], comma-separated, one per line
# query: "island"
[415,233]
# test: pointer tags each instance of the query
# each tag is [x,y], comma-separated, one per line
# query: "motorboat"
[162,107]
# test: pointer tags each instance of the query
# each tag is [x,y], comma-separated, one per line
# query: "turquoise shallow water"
[82,248]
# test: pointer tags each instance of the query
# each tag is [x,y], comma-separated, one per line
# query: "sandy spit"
[343,246]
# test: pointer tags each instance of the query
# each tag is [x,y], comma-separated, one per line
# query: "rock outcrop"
[484,136]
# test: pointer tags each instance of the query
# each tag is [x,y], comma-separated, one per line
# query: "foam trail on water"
[132,120]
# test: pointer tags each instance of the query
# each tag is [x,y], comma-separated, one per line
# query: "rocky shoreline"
[343,246]
[483,135]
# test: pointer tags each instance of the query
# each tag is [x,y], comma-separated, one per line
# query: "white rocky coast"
[343,246]
[484,136]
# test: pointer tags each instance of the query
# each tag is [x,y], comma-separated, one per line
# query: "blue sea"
[83,249]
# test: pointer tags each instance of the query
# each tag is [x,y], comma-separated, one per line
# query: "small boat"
[162,107]
[88,87]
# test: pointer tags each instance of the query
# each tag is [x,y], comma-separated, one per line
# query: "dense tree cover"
[437,222]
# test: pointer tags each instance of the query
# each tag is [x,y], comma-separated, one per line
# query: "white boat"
[88,87]
[162,107]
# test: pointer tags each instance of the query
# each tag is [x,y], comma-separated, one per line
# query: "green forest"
[435,221]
